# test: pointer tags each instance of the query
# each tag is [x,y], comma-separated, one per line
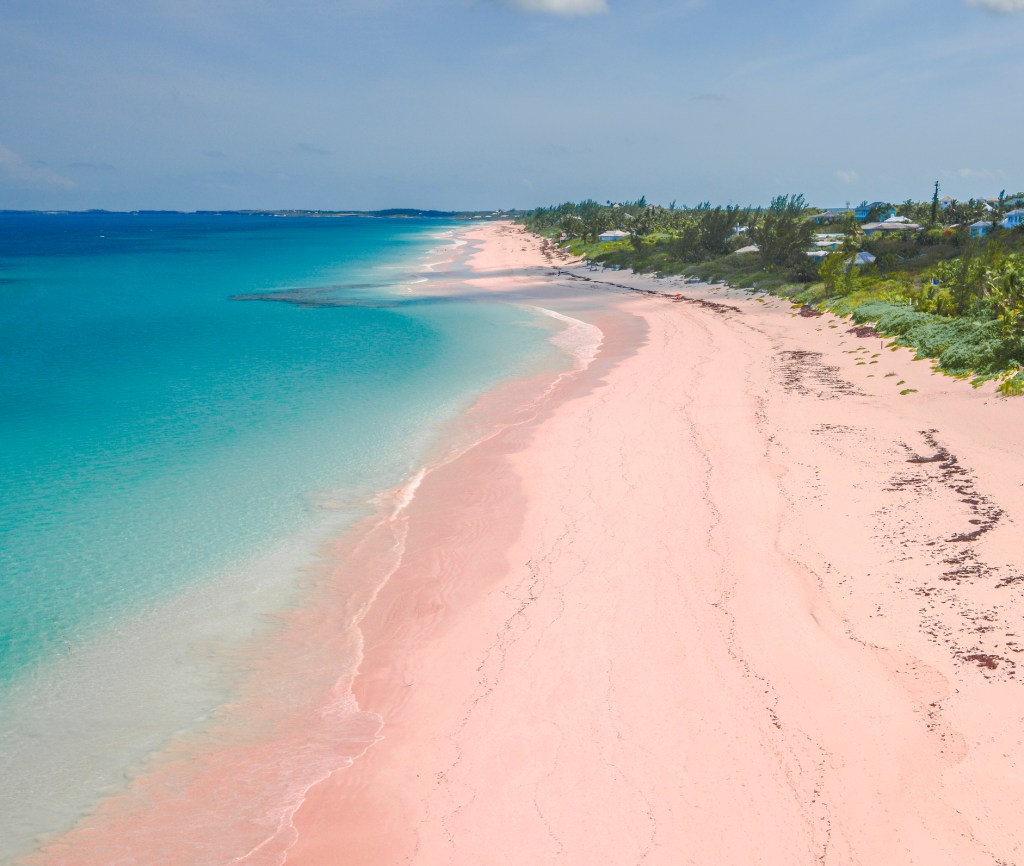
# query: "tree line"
[695,234]
[954,296]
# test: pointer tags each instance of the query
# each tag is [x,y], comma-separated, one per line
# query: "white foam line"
[455,241]
[582,341]
[286,823]
[578,339]
[405,494]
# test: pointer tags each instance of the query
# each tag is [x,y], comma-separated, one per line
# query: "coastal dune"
[746,589]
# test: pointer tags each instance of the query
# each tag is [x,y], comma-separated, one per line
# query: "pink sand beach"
[742,587]
[747,590]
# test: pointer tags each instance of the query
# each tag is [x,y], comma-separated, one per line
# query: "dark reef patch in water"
[320,297]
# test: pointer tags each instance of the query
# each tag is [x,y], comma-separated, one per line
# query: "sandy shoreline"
[730,597]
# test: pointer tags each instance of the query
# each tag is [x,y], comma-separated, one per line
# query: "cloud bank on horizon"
[1001,6]
[564,8]
[466,104]
[570,8]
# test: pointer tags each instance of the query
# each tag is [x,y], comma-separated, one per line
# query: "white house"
[828,241]
[859,260]
[893,223]
[1013,219]
[949,201]
[613,235]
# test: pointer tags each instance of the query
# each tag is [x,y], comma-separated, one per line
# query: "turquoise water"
[154,430]
[190,407]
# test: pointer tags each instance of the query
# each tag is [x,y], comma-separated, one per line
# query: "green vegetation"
[931,286]
[783,233]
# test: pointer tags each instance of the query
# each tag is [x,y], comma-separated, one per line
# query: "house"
[613,235]
[859,260]
[947,202]
[863,211]
[826,241]
[981,228]
[751,248]
[892,223]
[1009,201]
[873,228]
[859,213]
[1013,219]
[831,215]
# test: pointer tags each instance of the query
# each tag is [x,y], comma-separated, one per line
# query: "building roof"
[614,233]
[891,226]
[980,223]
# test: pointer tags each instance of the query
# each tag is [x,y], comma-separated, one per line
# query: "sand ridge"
[731,598]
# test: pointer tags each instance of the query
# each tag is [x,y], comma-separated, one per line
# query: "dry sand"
[728,597]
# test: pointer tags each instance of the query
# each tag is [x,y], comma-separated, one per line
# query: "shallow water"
[175,450]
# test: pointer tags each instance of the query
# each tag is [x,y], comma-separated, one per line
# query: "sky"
[481,104]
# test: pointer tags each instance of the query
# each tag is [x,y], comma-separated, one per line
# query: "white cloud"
[26,174]
[847,175]
[565,8]
[1003,7]
[970,173]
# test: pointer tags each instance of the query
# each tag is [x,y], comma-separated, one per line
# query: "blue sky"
[504,103]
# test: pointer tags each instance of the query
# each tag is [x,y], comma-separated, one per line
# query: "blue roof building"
[863,211]
[1013,219]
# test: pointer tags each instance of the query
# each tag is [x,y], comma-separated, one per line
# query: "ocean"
[191,407]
